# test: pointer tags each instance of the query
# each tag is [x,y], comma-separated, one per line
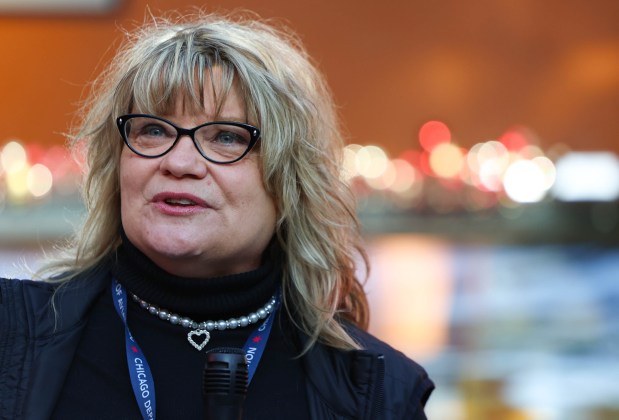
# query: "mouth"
[169,200]
[183,202]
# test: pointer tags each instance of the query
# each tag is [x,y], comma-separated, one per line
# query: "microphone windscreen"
[224,383]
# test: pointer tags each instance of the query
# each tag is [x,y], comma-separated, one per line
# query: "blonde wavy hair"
[300,152]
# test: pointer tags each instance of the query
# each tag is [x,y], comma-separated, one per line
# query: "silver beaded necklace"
[202,330]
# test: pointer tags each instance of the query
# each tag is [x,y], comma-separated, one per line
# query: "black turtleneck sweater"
[98,384]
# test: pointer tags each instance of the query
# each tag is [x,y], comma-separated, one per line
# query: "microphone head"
[225,372]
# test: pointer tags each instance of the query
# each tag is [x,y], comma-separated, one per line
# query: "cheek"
[264,209]
[129,182]
[258,206]
[133,171]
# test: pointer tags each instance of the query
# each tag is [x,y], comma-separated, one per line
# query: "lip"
[159,201]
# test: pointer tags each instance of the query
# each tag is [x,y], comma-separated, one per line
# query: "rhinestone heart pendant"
[198,334]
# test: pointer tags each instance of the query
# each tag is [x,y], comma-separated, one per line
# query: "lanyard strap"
[257,342]
[139,371]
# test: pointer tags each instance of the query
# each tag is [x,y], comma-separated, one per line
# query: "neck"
[221,297]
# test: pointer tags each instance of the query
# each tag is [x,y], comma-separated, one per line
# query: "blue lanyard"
[139,370]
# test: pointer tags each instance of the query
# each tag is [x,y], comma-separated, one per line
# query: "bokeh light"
[39,180]
[384,179]
[371,161]
[502,173]
[446,160]
[492,159]
[30,171]
[433,133]
[13,157]
[525,182]
[587,176]
[405,176]
[515,139]
[17,186]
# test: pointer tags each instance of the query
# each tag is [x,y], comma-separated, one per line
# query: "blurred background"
[483,142]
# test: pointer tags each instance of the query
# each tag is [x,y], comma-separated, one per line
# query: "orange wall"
[47,63]
[481,67]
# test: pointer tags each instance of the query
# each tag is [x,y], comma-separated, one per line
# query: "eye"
[153,130]
[228,137]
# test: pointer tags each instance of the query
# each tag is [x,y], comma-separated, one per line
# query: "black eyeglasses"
[217,141]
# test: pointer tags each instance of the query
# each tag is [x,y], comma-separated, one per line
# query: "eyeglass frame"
[254,133]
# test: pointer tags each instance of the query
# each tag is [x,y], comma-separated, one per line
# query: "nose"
[184,160]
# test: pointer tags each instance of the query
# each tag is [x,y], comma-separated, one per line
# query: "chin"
[176,251]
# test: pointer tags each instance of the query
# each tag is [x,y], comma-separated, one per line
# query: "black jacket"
[36,350]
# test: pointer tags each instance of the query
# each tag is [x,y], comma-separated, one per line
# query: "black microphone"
[224,383]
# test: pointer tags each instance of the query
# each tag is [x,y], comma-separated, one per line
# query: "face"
[191,217]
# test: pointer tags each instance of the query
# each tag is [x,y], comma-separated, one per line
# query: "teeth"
[179,201]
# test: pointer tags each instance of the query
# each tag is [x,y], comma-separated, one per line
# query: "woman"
[214,203]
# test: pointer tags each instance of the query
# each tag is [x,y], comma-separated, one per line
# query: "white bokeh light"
[13,157]
[39,180]
[525,182]
[372,161]
[587,176]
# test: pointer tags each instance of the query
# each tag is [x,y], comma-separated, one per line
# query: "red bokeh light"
[433,133]
[424,164]
[514,140]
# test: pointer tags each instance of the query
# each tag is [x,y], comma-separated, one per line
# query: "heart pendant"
[198,333]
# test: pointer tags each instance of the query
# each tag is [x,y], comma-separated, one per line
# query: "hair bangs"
[182,74]
[162,80]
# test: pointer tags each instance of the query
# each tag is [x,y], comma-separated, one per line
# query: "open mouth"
[179,202]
